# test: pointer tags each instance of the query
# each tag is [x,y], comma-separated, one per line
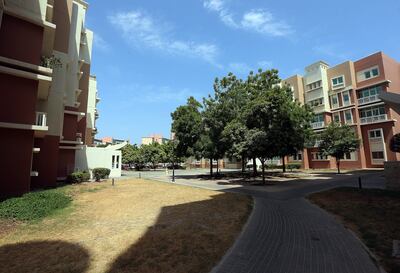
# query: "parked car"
[176,166]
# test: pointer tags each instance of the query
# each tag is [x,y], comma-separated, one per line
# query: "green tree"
[235,135]
[152,153]
[132,155]
[261,146]
[187,127]
[338,140]
[128,154]
[273,110]
[219,110]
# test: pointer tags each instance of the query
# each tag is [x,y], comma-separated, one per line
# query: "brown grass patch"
[373,214]
[136,226]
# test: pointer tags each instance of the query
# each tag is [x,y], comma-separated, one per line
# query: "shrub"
[85,176]
[272,166]
[294,166]
[34,205]
[75,177]
[78,177]
[100,173]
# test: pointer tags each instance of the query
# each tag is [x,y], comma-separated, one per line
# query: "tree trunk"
[243,164]
[263,171]
[173,171]
[211,167]
[338,165]
[254,167]
[217,168]
[283,164]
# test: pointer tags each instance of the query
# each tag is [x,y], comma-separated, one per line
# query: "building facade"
[155,138]
[349,94]
[48,108]
[110,140]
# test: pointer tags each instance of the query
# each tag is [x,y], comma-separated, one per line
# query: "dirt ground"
[135,226]
[373,214]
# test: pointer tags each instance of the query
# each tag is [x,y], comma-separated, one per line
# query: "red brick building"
[44,111]
[349,94]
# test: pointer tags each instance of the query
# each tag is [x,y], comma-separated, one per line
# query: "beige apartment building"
[348,93]
[48,106]
[154,138]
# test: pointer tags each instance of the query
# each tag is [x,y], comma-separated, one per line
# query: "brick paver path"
[287,234]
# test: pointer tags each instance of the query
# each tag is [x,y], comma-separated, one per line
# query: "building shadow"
[186,238]
[43,256]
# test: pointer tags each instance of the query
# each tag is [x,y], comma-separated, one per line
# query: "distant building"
[111,140]
[155,138]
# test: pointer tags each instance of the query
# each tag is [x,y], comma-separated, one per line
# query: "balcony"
[40,125]
[318,125]
[373,119]
[41,119]
[369,99]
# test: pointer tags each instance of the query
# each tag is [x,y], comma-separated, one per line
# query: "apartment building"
[154,138]
[348,93]
[48,105]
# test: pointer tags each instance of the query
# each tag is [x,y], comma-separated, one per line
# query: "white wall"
[91,104]
[94,157]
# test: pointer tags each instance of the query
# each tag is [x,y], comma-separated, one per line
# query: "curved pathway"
[287,234]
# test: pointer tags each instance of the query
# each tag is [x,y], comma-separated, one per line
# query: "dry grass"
[136,226]
[371,213]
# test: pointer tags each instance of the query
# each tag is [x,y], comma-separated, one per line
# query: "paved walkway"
[287,234]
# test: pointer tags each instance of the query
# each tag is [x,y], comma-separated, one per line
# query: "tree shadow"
[43,256]
[186,238]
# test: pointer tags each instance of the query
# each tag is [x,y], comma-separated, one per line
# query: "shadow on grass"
[187,238]
[43,256]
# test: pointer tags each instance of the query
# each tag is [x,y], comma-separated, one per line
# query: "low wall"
[392,175]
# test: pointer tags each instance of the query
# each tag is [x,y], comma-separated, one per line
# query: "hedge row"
[78,177]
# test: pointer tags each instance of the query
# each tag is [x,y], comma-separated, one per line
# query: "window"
[368,74]
[338,82]
[297,157]
[317,102]
[319,118]
[113,162]
[314,85]
[378,155]
[350,156]
[117,165]
[334,101]
[376,90]
[377,133]
[336,117]
[318,156]
[348,117]
[346,98]
[372,111]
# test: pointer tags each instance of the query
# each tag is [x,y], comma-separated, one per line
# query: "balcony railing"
[41,119]
[318,125]
[368,99]
[317,143]
[373,119]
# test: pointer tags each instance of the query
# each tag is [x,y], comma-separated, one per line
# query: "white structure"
[109,157]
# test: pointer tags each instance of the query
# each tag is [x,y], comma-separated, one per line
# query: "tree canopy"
[253,118]
[338,140]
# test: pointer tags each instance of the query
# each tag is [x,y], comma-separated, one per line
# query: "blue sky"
[149,56]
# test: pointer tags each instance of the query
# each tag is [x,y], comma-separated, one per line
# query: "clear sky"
[149,56]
